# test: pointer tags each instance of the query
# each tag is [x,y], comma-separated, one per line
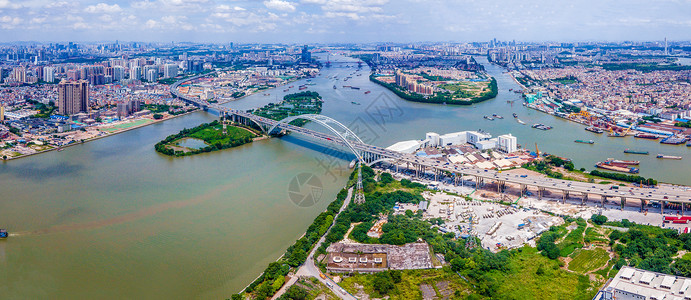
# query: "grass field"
[215,135]
[588,260]
[126,125]
[409,287]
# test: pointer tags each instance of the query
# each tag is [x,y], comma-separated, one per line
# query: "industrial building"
[637,284]
[352,257]
[481,141]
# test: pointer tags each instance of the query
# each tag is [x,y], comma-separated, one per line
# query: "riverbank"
[107,134]
[439,99]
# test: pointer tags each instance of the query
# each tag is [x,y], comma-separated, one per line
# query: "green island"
[306,102]
[219,135]
[459,93]
[207,137]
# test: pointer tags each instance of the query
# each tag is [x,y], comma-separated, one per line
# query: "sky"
[343,21]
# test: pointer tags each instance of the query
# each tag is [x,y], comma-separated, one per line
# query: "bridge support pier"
[642,205]
[604,199]
[524,188]
[623,202]
[540,192]
[662,207]
[585,198]
[564,196]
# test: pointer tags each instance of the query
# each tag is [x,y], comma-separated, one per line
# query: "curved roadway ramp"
[309,269]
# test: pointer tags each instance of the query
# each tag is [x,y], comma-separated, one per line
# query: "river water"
[112,219]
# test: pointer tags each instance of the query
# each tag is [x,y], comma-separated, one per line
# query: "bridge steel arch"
[327,123]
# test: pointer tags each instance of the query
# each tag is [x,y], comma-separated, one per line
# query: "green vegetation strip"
[589,260]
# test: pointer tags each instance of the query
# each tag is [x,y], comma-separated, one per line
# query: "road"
[309,269]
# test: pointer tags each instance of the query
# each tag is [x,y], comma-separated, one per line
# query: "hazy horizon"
[343,21]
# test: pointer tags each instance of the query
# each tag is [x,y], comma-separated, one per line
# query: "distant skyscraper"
[19,74]
[135,73]
[48,74]
[306,56]
[73,97]
[170,71]
[118,73]
[666,52]
[151,75]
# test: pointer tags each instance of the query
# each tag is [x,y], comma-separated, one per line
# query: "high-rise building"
[135,73]
[306,56]
[2,114]
[48,74]
[151,75]
[73,97]
[118,73]
[170,71]
[19,74]
[507,143]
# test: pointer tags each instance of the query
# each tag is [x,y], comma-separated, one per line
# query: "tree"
[599,219]
[383,282]
[296,293]
[158,116]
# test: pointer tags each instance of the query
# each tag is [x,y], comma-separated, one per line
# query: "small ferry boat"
[661,156]
[497,116]
[488,118]
[353,102]
[515,115]
[367,92]
[286,90]
[541,126]
[352,164]
[354,87]
[334,87]
[636,152]
[521,122]
[585,142]
[594,129]
[3,234]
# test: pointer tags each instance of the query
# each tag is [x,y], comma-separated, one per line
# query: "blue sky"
[288,21]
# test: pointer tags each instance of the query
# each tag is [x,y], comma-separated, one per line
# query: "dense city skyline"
[283,21]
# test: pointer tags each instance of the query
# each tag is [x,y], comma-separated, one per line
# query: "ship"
[334,87]
[515,115]
[594,129]
[497,116]
[354,87]
[688,145]
[3,234]
[618,162]
[673,140]
[286,90]
[610,167]
[353,102]
[585,142]
[488,118]
[616,134]
[668,156]
[519,121]
[352,164]
[541,126]
[367,92]
[649,136]
[636,152]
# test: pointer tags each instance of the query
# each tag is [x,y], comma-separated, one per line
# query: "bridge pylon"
[359,194]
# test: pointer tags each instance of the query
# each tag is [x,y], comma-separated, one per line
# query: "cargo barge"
[594,129]
[661,156]
[585,142]
[636,152]
[618,162]
[611,167]
[649,136]
[542,126]
[673,140]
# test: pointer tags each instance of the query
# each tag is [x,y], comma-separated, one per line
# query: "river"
[112,219]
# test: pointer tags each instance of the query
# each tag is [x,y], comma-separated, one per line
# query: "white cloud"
[224,7]
[8,4]
[103,8]
[280,5]
[151,24]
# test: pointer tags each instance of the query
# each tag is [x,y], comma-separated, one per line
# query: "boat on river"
[649,136]
[497,116]
[541,126]
[488,118]
[515,115]
[629,151]
[662,156]
[612,167]
[519,121]
[594,129]
[3,234]
[585,142]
